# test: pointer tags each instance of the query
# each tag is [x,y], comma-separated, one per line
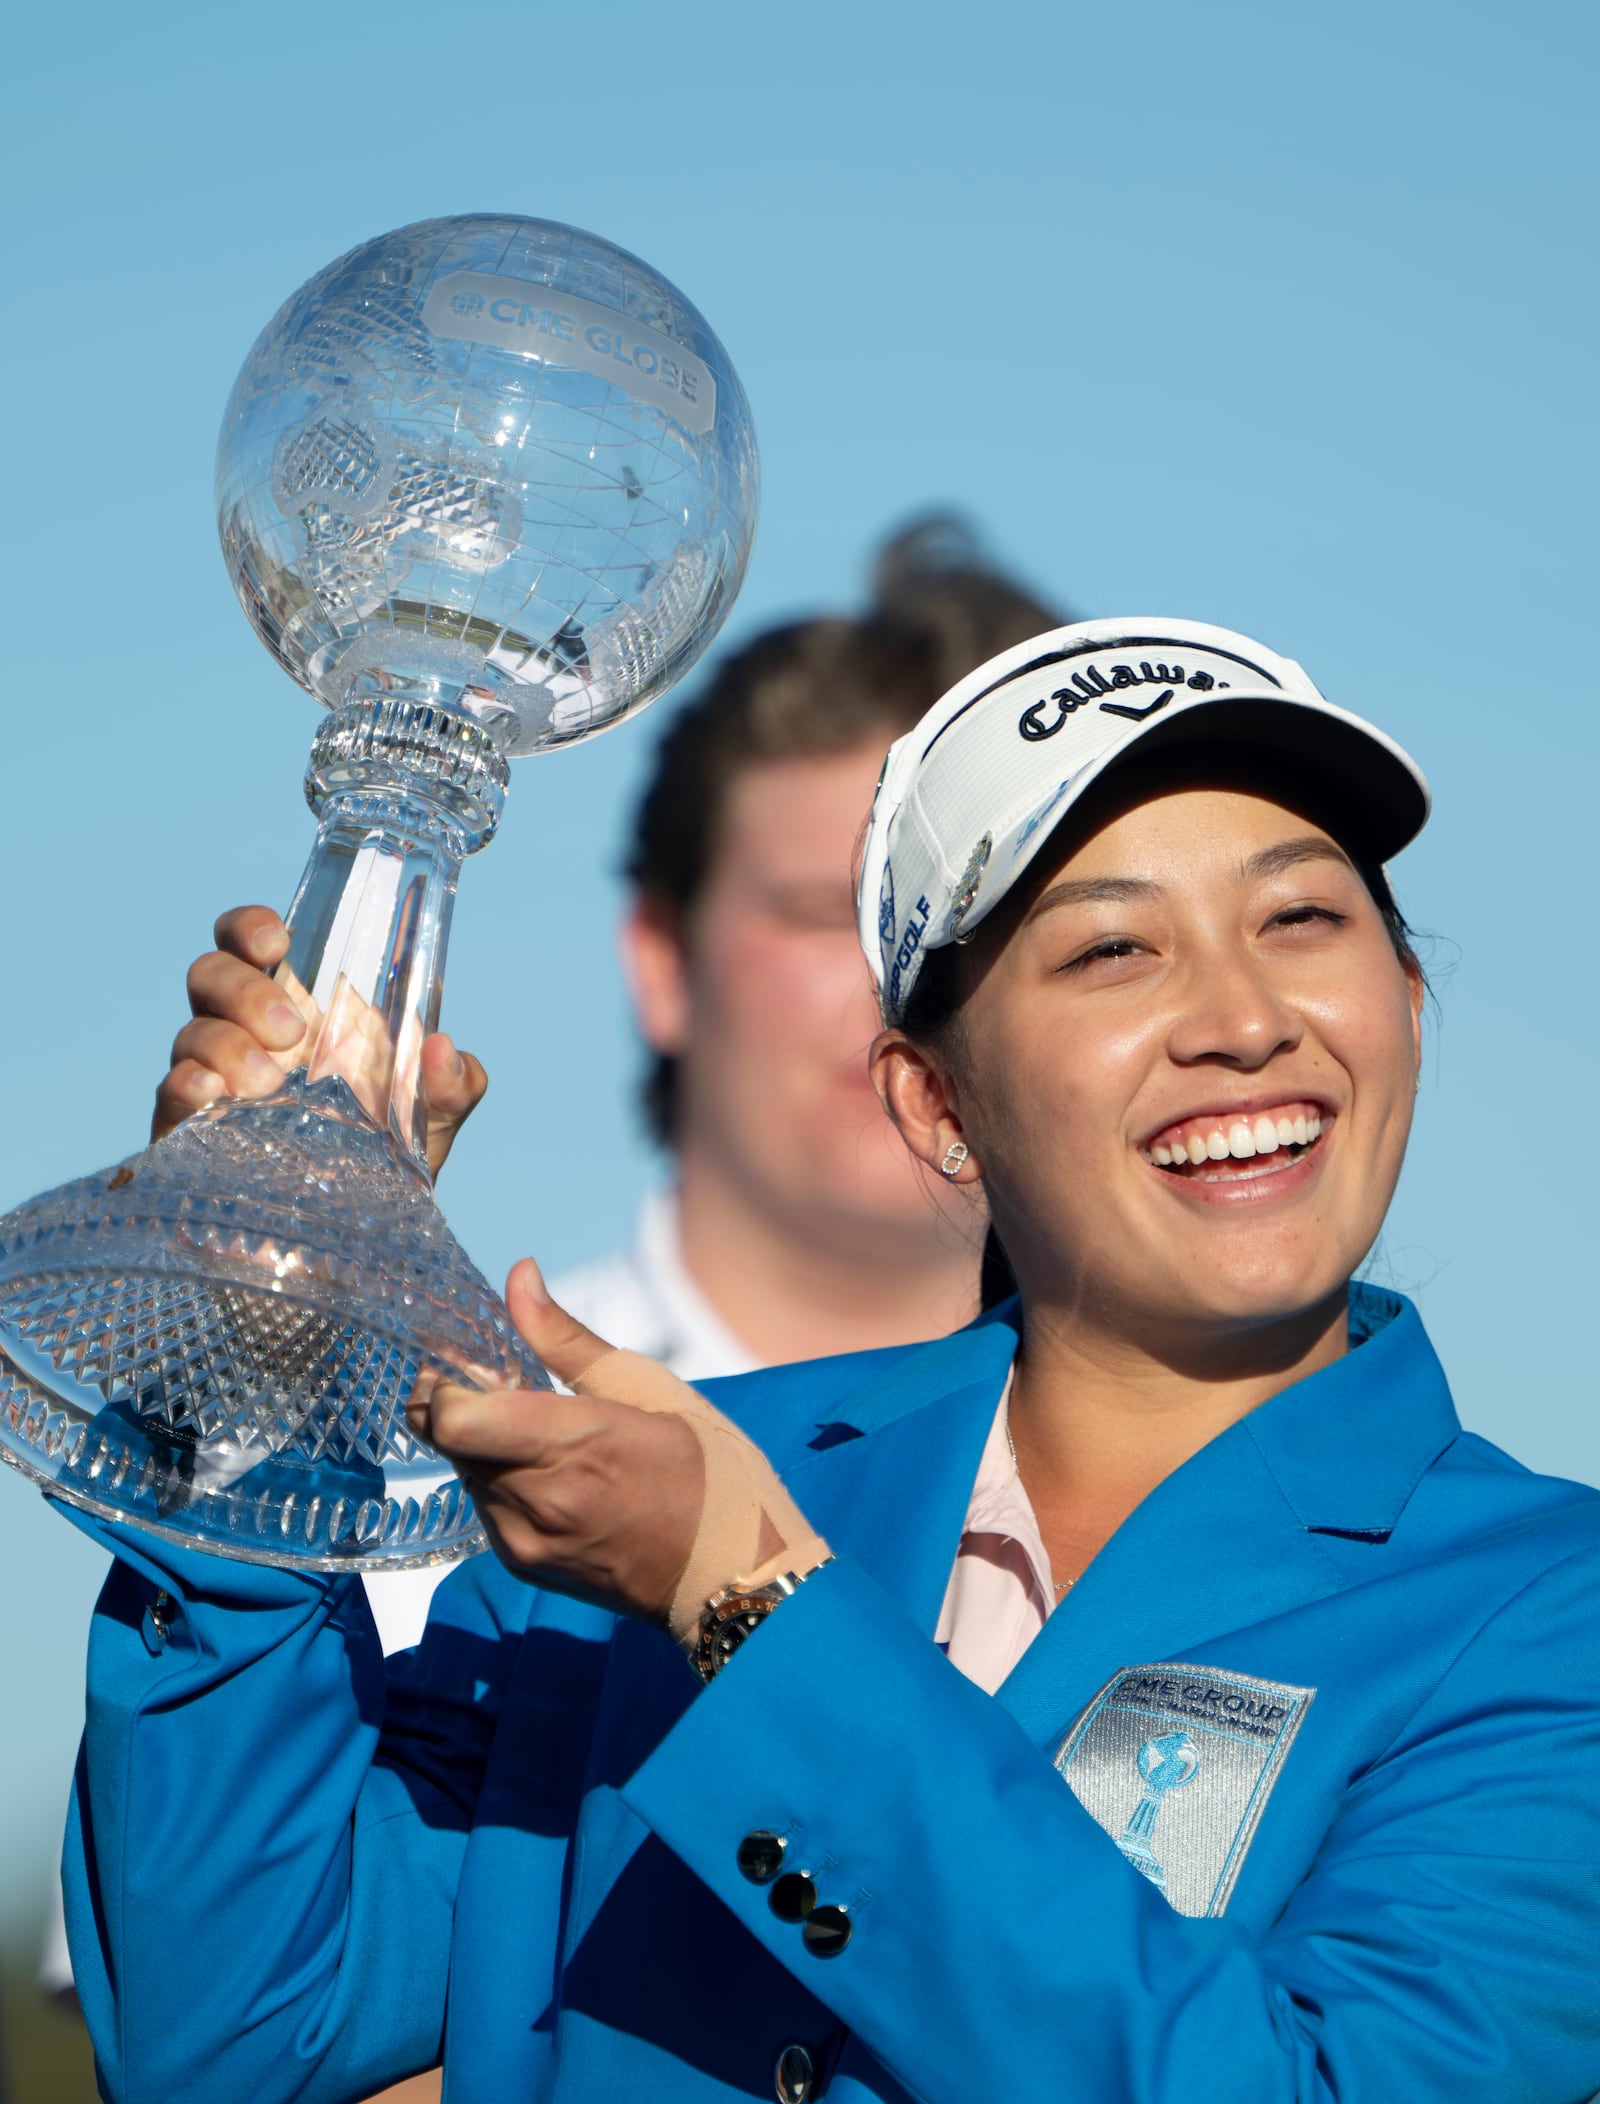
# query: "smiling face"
[1185,1072]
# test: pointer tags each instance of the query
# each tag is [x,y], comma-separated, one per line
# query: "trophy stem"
[403,793]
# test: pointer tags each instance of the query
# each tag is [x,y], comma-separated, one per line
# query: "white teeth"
[1243,1138]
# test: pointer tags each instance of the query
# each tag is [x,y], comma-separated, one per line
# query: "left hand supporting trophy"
[485,486]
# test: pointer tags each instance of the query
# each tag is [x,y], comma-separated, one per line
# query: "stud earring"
[955,1155]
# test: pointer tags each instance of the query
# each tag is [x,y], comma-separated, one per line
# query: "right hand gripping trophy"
[486,486]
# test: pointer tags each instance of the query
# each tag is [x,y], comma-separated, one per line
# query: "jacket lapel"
[1213,1549]
[891,1487]
[1248,1528]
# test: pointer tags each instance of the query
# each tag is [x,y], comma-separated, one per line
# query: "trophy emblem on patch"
[1165,1763]
[1195,1747]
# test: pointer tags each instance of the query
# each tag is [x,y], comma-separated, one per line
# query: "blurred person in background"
[796,1224]
[796,1215]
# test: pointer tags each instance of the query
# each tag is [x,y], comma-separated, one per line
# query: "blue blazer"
[1297,1796]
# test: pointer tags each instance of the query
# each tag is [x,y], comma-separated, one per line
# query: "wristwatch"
[728,1618]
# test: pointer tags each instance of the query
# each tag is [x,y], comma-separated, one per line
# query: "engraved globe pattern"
[490,461]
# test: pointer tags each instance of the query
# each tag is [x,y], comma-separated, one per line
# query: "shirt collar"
[1000,1504]
[999,1501]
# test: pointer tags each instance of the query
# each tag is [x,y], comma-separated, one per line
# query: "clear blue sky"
[1278,317]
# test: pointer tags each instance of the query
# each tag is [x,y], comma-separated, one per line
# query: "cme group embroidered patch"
[1177,1764]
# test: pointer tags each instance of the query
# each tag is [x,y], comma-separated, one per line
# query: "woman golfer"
[1148,1693]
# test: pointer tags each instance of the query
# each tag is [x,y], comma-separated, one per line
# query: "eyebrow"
[1125,891]
[1289,854]
[1093,891]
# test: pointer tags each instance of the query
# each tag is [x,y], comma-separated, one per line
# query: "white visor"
[967,799]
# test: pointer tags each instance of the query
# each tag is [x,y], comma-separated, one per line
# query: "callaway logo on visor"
[967,798]
[1090,684]
[1108,682]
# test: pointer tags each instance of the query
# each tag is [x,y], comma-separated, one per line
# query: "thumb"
[559,1339]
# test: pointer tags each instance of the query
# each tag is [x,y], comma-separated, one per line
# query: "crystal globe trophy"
[485,486]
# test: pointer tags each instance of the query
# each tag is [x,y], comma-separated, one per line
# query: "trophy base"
[217,1339]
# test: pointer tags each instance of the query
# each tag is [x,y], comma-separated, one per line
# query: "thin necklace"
[1064,1585]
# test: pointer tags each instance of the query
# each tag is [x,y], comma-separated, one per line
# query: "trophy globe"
[486,486]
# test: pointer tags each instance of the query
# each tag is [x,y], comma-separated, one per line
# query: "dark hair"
[813,688]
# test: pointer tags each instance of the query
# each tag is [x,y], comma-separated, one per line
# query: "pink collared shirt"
[1001,1591]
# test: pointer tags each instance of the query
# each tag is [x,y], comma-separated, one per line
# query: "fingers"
[559,1339]
[585,1497]
[235,992]
[254,934]
[246,1029]
[504,1427]
[454,1084]
[235,1054]
[455,1081]
[212,1059]
[188,1088]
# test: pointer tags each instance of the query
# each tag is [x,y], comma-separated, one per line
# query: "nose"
[1231,1014]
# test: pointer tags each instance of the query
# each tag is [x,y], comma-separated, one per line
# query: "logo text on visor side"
[1091,685]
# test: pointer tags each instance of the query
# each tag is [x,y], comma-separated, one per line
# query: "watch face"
[732,1633]
[729,1618]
